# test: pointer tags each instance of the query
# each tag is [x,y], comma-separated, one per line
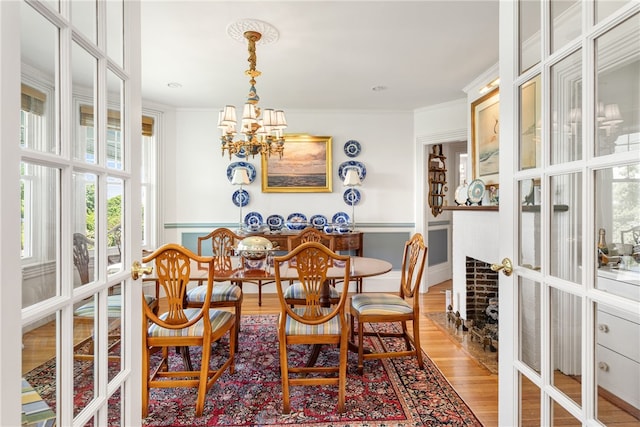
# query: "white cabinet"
[618,342]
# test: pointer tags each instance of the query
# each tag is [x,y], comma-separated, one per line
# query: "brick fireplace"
[482,292]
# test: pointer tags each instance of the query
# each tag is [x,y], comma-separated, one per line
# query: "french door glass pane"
[84,18]
[565,22]
[566,105]
[115,210]
[529,322]
[566,342]
[115,31]
[529,228]
[562,417]
[85,256]
[39,81]
[616,368]
[40,224]
[39,360]
[529,27]
[114,124]
[85,350]
[604,8]
[83,77]
[530,124]
[115,311]
[618,89]
[618,229]
[566,224]
[529,402]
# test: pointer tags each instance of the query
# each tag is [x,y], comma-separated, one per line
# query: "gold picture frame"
[485,138]
[305,166]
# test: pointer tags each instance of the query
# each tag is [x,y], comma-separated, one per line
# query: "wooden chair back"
[222,243]
[413,262]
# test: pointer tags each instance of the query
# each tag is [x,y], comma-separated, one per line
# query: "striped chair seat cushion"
[218,317]
[114,306]
[293,327]
[380,304]
[296,291]
[221,292]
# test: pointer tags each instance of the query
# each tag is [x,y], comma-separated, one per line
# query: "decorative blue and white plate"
[352,164]
[240,198]
[352,148]
[476,191]
[351,196]
[251,170]
[253,218]
[318,221]
[275,222]
[241,154]
[297,217]
[340,218]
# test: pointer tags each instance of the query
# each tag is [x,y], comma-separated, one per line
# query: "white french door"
[71,138]
[570,167]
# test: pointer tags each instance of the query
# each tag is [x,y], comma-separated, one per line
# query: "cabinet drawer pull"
[603,328]
[603,366]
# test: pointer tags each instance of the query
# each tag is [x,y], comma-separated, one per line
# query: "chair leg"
[284,372]
[416,341]
[145,382]
[405,335]
[259,293]
[360,347]
[204,376]
[342,375]
[236,328]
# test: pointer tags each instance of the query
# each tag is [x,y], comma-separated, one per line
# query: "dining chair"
[220,244]
[312,323]
[391,308]
[294,294]
[86,312]
[182,327]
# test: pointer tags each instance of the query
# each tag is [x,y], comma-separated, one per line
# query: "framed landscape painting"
[305,166]
[485,137]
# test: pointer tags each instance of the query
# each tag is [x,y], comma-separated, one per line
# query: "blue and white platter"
[318,221]
[352,148]
[351,196]
[297,217]
[240,198]
[253,218]
[352,164]
[251,170]
[476,191]
[275,222]
[340,218]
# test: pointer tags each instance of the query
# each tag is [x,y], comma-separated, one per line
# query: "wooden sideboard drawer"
[618,375]
[618,334]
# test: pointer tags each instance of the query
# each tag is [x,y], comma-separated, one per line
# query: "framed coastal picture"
[485,137]
[305,166]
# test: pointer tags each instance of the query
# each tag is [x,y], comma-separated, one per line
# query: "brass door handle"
[137,270]
[506,267]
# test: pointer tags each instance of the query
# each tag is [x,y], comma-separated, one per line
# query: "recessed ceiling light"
[174,85]
[378,88]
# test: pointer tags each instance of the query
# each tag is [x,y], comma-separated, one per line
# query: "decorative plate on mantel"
[461,194]
[476,191]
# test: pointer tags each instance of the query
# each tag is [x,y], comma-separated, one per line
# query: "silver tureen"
[254,247]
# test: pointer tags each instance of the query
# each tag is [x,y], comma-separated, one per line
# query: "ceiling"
[329,55]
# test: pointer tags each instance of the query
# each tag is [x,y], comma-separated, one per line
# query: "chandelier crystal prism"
[262,130]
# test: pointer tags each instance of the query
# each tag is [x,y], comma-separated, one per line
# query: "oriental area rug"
[391,392]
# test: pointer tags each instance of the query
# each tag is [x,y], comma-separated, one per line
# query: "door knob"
[506,267]
[137,269]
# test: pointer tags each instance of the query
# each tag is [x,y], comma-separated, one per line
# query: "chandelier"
[262,130]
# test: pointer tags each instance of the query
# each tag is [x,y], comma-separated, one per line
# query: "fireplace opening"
[482,302]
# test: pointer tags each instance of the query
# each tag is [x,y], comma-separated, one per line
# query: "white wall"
[196,190]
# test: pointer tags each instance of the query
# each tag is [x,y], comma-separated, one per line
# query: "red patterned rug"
[391,392]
